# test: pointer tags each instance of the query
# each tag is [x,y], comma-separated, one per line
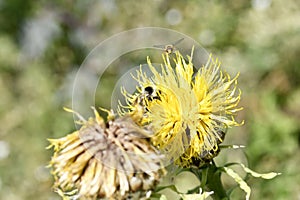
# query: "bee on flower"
[177,115]
[187,110]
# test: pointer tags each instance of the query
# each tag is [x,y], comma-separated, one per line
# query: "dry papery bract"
[112,159]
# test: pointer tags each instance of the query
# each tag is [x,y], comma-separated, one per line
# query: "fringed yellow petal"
[74,112]
[185,107]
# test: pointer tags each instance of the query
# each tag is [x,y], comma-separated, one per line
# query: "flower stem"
[210,178]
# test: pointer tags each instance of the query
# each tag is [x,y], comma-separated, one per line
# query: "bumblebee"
[148,93]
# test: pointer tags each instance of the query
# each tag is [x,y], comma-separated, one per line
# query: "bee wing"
[163,46]
[178,41]
[159,46]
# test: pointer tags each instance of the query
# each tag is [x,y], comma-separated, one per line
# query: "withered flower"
[112,160]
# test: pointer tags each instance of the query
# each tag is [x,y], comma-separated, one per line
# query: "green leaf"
[163,197]
[171,187]
[243,185]
[200,196]
[258,175]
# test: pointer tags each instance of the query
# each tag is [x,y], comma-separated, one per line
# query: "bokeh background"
[42,45]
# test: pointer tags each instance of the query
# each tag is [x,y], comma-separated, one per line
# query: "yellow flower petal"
[187,110]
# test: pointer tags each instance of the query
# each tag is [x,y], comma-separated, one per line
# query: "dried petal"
[112,160]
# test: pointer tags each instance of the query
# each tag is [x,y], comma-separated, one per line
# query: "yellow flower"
[188,111]
[110,159]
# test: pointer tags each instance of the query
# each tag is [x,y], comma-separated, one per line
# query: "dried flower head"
[188,111]
[110,159]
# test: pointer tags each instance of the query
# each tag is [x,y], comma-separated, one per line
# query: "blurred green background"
[42,45]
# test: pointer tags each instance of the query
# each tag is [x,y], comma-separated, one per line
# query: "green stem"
[211,179]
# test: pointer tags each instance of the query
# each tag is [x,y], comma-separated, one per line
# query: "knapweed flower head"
[187,110]
[110,159]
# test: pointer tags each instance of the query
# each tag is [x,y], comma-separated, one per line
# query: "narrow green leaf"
[258,175]
[243,185]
